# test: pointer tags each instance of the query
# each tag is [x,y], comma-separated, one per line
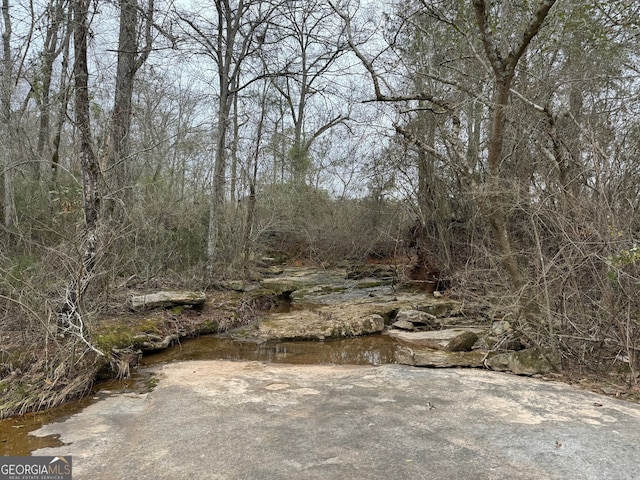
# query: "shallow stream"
[367,350]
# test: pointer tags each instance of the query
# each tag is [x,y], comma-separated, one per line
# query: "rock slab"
[435,358]
[435,338]
[463,342]
[318,325]
[166,299]
[531,361]
[224,420]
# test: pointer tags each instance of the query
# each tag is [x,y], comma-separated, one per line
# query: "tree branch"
[490,47]
[332,123]
[504,69]
[375,79]
[419,143]
[532,30]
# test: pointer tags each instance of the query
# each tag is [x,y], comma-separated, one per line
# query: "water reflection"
[368,350]
[14,438]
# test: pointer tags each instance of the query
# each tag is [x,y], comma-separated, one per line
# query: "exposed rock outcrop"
[430,357]
[417,318]
[463,342]
[317,325]
[434,338]
[372,271]
[531,361]
[166,299]
[403,325]
[436,332]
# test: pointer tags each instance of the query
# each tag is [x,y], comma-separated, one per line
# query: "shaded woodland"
[490,146]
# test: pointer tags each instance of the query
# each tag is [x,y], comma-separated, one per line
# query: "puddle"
[367,350]
[14,432]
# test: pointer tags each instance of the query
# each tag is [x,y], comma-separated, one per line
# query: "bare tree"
[311,44]
[131,56]
[504,69]
[229,39]
[6,131]
[252,178]
[55,41]
[71,313]
[63,104]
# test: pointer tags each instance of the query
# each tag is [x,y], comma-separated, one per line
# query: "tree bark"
[63,105]
[130,58]
[495,206]
[504,70]
[71,314]
[56,14]
[227,30]
[6,130]
[89,165]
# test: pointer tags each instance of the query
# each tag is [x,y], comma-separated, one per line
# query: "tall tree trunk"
[299,155]
[130,58]
[494,204]
[234,151]
[217,199]
[228,28]
[229,46]
[72,311]
[121,115]
[6,130]
[247,246]
[63,105]
[89,165]
[56,14]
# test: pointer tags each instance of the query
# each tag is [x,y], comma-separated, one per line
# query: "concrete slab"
[249,420]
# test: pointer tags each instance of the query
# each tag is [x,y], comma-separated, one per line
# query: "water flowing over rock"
[436,331]
[331,304]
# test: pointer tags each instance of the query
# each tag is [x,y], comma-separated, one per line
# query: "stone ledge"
[166,299]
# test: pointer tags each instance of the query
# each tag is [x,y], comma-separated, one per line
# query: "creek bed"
[366,350]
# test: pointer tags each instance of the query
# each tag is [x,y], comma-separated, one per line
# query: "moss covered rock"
[530,361]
